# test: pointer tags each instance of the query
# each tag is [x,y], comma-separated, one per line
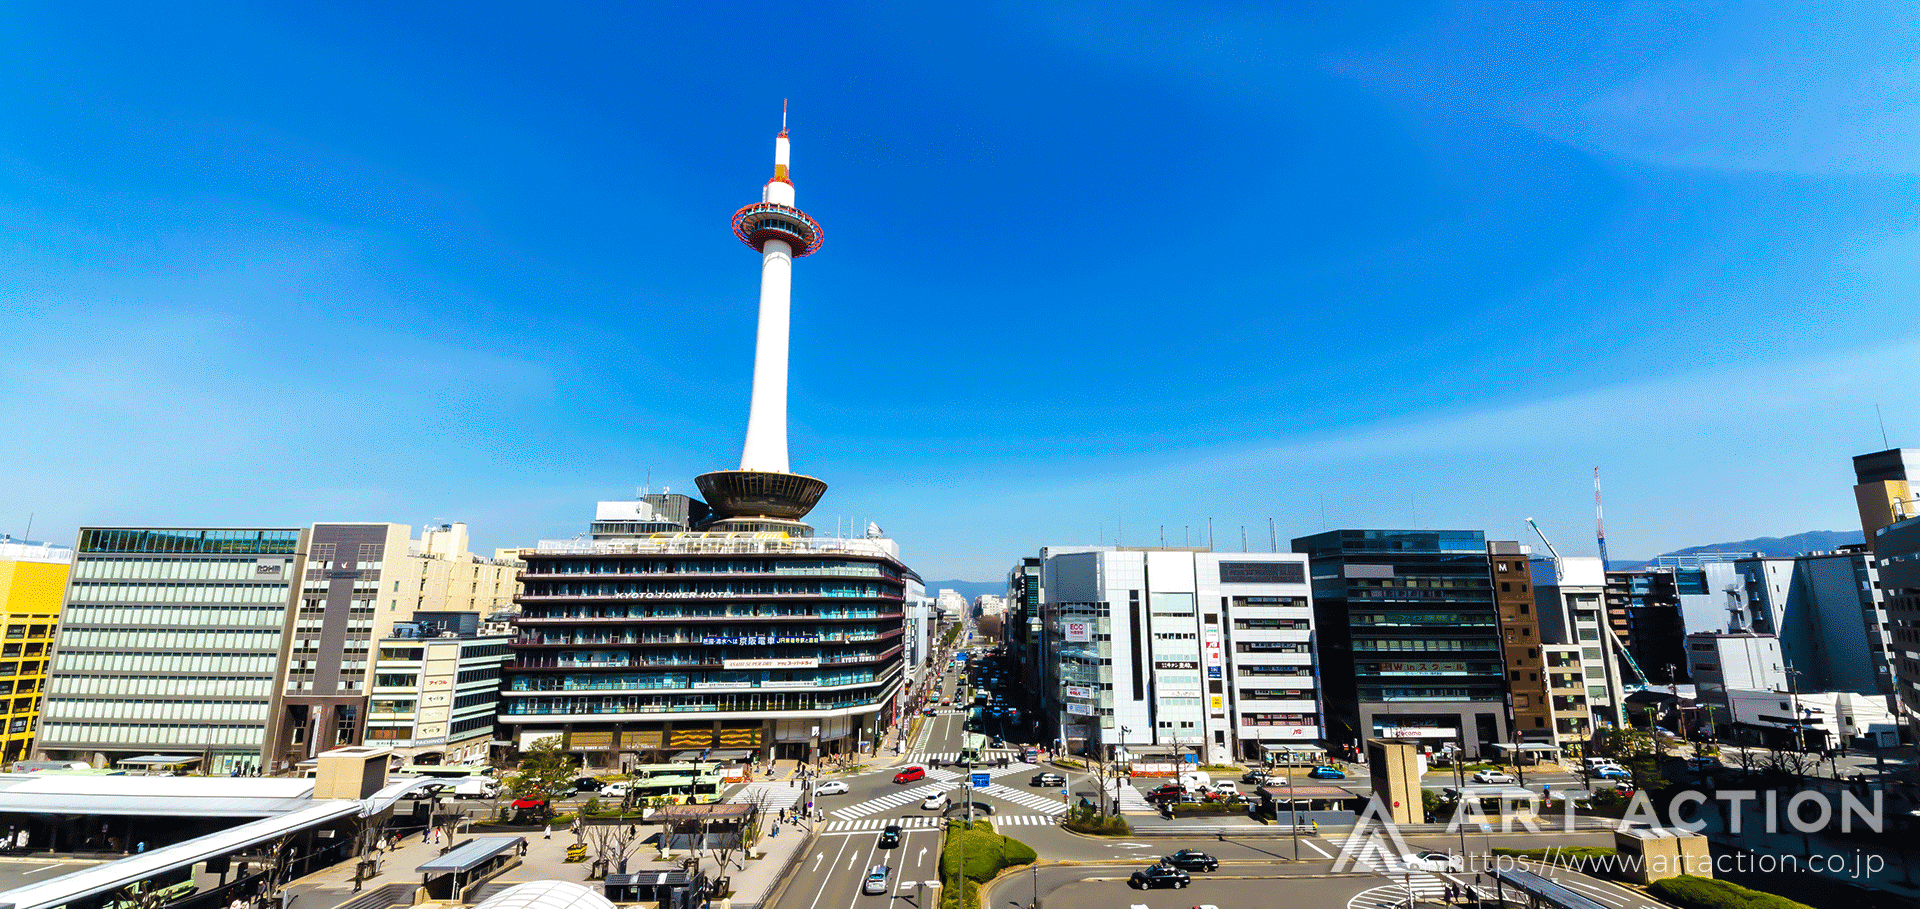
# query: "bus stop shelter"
[473,862]
[1292,754]
[1527,752]
[671,889]
[703,826]
[156,764]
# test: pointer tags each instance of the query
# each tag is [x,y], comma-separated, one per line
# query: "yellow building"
[33,578]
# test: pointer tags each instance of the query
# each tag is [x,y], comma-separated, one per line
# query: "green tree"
[1639,751]
[545,773]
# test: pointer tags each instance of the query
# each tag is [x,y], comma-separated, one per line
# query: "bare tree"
[610,844]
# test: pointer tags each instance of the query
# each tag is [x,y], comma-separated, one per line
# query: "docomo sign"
[1079,632]
[792,663]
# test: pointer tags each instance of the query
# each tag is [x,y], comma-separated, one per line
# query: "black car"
[1191,860]
[1159,876]
[587,784]
[1048,778]
[890,837]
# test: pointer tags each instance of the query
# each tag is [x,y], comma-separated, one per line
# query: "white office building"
[1174,652]
[1570,594]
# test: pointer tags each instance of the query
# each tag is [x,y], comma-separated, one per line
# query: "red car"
[910,774]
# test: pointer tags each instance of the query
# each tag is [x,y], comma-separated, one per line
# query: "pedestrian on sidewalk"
[549,833]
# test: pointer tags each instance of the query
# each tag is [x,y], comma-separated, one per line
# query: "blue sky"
[1087,266]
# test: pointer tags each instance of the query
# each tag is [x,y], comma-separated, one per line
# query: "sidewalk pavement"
[753,880]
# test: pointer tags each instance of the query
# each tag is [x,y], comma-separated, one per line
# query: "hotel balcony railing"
[672,640]
[846,572]
[523,708]
[534,661]
[744,616]
[693,595]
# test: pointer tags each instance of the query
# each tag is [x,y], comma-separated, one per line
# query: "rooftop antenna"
[1273,536]
[1209,534]
[783,115]
[1163,536]
[1186,536]
[1243,538]
[1883,426]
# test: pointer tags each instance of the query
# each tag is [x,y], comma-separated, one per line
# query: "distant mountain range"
[968,589]
[1811,541]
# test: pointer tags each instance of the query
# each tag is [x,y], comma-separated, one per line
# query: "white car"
[613,791]
[1493,776]
[934,802]
[831,787]
[1432,861]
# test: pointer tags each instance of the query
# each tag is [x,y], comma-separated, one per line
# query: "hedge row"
[984,852]
[1572,852]
[1691,892]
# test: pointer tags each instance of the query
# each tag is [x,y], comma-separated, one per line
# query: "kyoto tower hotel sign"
[764,495]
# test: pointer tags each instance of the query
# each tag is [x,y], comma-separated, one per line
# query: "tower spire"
[764,494]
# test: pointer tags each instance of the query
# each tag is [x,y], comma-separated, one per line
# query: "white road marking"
[1316,847]
[823,890]
[1595,892]
[48,868]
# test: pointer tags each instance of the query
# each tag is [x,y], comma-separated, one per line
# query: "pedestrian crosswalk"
[769,795]
[1424,885]
[875,825]
[1046,801]
[1129,797]
[991,755]
[900,799]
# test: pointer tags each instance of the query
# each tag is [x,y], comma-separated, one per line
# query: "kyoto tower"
[763,495]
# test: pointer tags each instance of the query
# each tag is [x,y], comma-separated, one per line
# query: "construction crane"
[1560,574]
[1600,519]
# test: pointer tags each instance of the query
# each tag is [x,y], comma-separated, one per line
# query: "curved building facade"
[759,646]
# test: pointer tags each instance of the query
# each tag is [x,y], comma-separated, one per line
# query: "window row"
[155,639]
[139,735]
[178,616]
[197,663]
[158,709]
[105,592]
[172,687]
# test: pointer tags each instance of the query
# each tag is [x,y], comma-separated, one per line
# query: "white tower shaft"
[766,448]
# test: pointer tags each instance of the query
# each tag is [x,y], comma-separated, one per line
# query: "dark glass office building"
[1410,641]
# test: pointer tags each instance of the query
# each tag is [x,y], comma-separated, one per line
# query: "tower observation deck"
[764,494]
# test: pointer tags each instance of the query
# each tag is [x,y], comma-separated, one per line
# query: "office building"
[359,580]
[1897,562]
[1826,609]
[1572,716]
[1882,491]
[171,641]
[1722,663]
[1410,637]
[1026,640]
[1647,608]
[1521,647]
[1569,593]
[33,578]
[436,689]
[1165,652]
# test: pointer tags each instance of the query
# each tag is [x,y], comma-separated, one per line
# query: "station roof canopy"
[1534,747]
[1291,748]
[109,876]
[1546,891]
[472,854]
[160,796]
[719,811]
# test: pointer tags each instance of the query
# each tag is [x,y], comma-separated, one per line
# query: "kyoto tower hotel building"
[721,627]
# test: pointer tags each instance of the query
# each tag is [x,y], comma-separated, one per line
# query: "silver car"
[877,877]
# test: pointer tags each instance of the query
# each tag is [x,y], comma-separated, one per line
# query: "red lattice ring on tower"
[751,225]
